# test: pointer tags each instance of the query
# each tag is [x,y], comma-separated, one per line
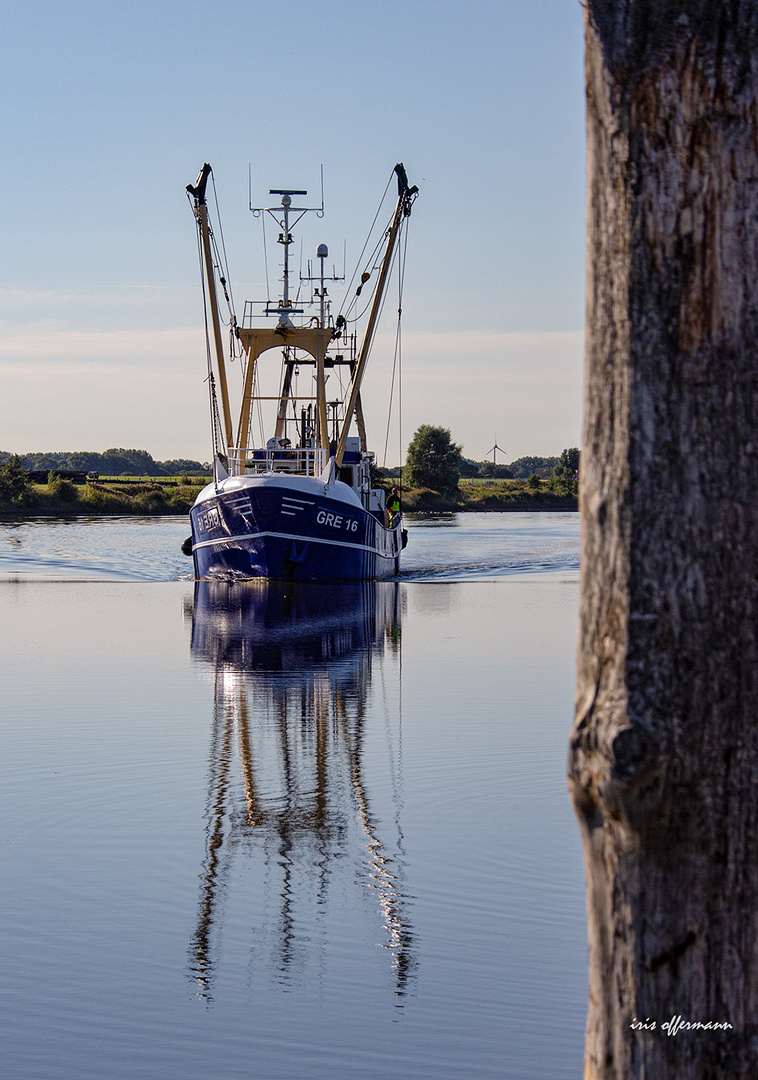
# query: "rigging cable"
[400,366]
[395,254]
[232,322]
[221,266]
[397,363]
[256,394]
[229,296]
[265,259]
[374,263]
[368,237]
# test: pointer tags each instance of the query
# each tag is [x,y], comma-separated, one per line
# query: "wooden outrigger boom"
[201,214]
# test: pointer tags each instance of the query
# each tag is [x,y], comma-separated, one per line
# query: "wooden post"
[663,763]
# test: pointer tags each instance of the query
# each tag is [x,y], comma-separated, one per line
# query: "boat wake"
[94,549]
[565,563]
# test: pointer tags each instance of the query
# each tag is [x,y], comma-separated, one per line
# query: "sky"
[110,110]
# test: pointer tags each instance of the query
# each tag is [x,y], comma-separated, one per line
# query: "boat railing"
[304,460]
[254,309]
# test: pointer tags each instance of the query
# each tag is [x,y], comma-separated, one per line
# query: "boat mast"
[201,216]
[404,202]
[285,323]
[285,238]
[290,335]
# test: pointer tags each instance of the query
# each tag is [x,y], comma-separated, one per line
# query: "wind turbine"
[494,449]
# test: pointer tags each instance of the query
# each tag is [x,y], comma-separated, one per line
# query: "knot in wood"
[631,787]
[630,749]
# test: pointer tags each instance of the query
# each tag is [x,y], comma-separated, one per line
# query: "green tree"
[492,471]
[434,460]
[524,466]
[118,461]
[14,480]
[565,478]
[569,460]
[469,468]
[179,466]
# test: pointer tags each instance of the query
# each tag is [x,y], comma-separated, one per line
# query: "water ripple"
[449,547]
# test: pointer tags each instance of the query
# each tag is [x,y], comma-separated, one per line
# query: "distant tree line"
[113,462]
[520,469]
[434,461]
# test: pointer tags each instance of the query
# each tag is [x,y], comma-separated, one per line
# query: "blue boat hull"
[276,532]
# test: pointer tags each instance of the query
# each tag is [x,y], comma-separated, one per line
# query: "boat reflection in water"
[292,665]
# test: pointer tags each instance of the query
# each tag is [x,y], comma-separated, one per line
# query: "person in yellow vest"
[392,508]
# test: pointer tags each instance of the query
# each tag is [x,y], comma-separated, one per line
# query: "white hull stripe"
[290,536]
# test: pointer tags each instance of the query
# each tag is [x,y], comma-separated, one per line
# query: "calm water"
[289,834]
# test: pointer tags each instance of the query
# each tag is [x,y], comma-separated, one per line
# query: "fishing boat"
[296,501]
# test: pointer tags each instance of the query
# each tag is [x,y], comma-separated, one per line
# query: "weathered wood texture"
[664,755]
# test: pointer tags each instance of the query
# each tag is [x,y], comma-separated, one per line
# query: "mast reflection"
[292,666]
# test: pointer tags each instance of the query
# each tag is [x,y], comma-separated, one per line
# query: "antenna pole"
[322,254]
[286,239]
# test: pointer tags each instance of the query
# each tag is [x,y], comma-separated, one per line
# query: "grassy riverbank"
[140,496]
[61,498]
[490,495]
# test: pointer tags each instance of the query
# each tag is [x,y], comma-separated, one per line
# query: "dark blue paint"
[232,537]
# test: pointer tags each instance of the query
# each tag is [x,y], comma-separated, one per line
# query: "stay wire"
[400,361]
[372,262]
[225,262]
[265,259]
[365,245]
[397,363]
[221,267]
[379,317]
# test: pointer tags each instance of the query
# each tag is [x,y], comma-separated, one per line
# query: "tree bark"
[663,764]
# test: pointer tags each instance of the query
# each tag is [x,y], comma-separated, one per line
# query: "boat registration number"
[337,521]
[208,520]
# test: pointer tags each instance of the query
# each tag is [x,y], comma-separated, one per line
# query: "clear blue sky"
[110,109]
